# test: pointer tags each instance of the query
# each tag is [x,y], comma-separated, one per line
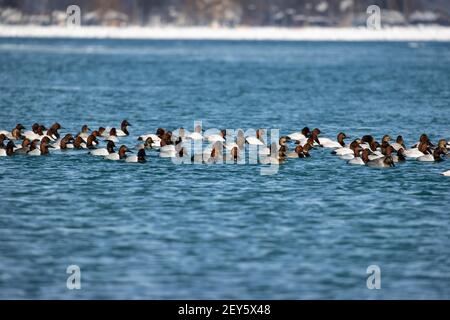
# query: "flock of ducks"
[364,151]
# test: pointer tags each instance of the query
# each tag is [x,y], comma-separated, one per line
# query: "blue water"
[165,231]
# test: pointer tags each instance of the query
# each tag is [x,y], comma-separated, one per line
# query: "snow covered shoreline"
[434,33]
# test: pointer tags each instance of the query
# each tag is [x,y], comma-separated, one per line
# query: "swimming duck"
[220,136]
[104,151]
[302,135]
[84,134]
[400,156]
[348,150]
[15,133]
[123,131]
[197,134]
[298,153]
[43,148]
[139,158]
[399,143]
[24,148]
[2,139]
[112,136]
[118,155]
[435,157]
[258,140]
[64,143]
[9,149]
[384,162]
[36,132]
[360,160]
[421,149]
[328,143]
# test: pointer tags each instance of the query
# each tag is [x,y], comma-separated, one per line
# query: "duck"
[275,158]
[385,162]
[360,160]
[434,157]
[446,173]
[256,140]
[112,136]
[91,142]
[420,149]
[36,132]
[303,135]
[53,131]
[399,143]
[348,150]
[400,156]
[104,151]
[23,150]
[120,155]
[149,143]
[43,148]
[328,143]
[64,143]
[84,134]
[216,136]
[233,156]
[9,149]
[139,158]
[2,140]
[298,152]
[15,134]
[123,131]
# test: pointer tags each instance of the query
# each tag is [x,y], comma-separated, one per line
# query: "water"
[160,230]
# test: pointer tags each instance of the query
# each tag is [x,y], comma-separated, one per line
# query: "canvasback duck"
[36,132]
[348,150]
[360,160]
[298,152]
[399,143]
[64,143]
[84,134]
[43,148]
[23,150]
[400,156]
[303,135]
[258,140]
[434,157]
[15,134]
[9,149]
[104,151]
[139,158]
[123,131]
[328,143]
[220,136]
[112,136]
[149,143]
[120,155]
[385,162]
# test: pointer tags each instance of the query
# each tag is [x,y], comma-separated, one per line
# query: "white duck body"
[446,173]
[328,143]
[154,137]
[2,153]
[113,156]
[426,158]
[343,151]
[254,141]
[413,153]
[297,136]
[357,161]
[99,152]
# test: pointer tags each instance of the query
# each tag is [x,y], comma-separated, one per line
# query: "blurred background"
[226,13]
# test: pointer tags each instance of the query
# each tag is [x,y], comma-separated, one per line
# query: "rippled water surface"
[160,230]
